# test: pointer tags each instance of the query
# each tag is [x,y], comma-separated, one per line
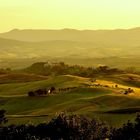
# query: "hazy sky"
[77,14]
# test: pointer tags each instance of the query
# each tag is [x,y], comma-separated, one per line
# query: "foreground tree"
[129,131]
[3,119]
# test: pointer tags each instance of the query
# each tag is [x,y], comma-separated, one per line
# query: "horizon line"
[59,29]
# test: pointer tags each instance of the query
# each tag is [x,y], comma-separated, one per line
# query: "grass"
[52,103]
[102,103]
[126,79]
[20,78]
[23,88]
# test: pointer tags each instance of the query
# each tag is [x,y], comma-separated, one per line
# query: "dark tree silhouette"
[31,93]
[52,89]
[3,119]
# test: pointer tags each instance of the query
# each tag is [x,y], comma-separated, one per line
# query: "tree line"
[45,68]
[52,90]
[70,127]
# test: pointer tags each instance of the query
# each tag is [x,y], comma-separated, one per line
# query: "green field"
[105,103]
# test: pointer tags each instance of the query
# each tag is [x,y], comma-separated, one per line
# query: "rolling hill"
[126,41]
[120,48]
[105,103]
[19,54]
[20,78]
[61,49]
[115,48]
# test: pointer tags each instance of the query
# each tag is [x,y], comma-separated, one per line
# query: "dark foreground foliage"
[62,127]
[129,131]
[2,117]
[72,127]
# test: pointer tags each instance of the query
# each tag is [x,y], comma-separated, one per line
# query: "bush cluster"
[71,127]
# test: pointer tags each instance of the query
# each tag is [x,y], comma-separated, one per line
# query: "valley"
[98,99]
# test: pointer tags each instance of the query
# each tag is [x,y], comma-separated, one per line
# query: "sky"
[75,14]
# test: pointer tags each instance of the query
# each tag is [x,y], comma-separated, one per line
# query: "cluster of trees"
[129,131]
[72,127]
[129,90]
[41,92]
[3,119]
[66,89]
[44,68]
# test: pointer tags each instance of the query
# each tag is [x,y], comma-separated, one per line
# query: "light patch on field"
[112,84]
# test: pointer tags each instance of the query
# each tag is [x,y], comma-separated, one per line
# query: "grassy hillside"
[127,79]
[105,103]
[19,78]
[94,103]
[22,88]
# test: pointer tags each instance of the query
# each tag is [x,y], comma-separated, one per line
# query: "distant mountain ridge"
[121,35]
[72,45]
